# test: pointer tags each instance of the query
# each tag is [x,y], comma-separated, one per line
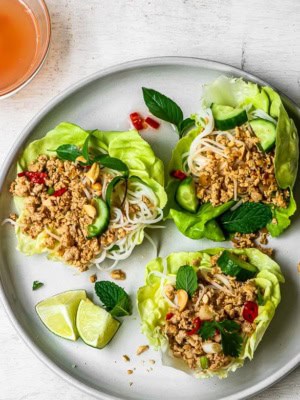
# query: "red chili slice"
[137,121]
[169,316]
[34,177]
[250,311]
[197,324]
[178,174]
[59,192]
[151,122]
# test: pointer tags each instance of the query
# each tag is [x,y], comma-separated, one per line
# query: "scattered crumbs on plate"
[149,369]
[142,349]
[74,366]
[118,275]
[129,371]
[93,278]
[134,369]
[36,285]
[126,358]
[142,362]
[152,362]
[130,383]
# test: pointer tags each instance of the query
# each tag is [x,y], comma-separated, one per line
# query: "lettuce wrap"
[154,306]
[258,102]
[144,170]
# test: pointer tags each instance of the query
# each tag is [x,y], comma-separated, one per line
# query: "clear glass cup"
[43,34]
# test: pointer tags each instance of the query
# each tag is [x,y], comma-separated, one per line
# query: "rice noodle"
[201,293]
[224,280]
[9,221]
[56,237]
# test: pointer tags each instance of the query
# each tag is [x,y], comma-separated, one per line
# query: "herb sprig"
[231,339]
[248,218]
[186,279]
[166,109]
[114,298]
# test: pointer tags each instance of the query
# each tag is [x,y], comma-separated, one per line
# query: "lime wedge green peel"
[58,313]
[96,326]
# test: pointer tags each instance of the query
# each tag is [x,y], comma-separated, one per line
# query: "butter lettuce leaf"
[129,147]
[153,306]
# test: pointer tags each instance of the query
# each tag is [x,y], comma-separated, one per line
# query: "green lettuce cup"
[110,184]
[207,311]
[233,114]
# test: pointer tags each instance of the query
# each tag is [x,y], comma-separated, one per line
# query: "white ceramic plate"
[105,101]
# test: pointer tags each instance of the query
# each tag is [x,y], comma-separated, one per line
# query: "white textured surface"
[260,36]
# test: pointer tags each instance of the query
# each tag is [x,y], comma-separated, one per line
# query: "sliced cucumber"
[227,117]
[186,195]
[233,265]
[265,131]
[102,220]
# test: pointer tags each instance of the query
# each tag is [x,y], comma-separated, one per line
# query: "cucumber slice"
[186,195]
[102,220]
[265,131]
[233,265]
[227,117]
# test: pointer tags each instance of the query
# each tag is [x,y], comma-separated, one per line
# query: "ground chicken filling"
[62,206]
[209,304]
[238,169]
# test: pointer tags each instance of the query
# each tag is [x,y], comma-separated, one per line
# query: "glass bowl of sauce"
[25,32]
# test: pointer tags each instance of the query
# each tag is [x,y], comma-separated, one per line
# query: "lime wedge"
[96,326]
[58,313]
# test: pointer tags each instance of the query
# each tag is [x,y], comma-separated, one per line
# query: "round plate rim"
[23,136]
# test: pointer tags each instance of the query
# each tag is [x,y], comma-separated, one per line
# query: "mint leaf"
[36,285]
[231,344]
[114,298]
[207,330]
[163,107]
[248,218]
[185,126]
[68,152]
[186,279]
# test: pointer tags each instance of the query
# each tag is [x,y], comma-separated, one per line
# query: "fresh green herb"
[204,362]
[36,285]
[114,298]
[185,126]
[114,248]
[248,218]
[68,152]
[110,188]
[113,163]
[260,299]
[186,279]
[163,107]
[85,149]
[231,339]
[50,191]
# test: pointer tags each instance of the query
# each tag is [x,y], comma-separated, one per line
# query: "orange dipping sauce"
[18,44]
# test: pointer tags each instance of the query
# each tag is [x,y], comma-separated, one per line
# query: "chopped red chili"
[34,177]
[137,121]
[151,122]
[59,192]
[197,324]
[178,174]
[169,316]
[250,311]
